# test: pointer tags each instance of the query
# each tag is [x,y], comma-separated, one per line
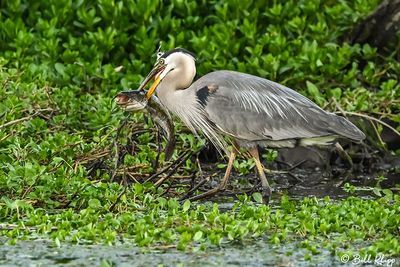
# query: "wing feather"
[255,109]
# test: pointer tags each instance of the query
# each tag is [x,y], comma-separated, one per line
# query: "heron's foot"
[266,194]
[207,194]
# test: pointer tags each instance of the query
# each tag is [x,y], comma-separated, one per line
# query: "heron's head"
[177,64]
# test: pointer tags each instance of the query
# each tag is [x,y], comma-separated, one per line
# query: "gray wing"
[255,109]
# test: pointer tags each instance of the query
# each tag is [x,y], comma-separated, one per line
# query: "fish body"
[136,100]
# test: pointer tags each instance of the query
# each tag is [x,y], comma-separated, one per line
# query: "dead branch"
[13,122]
[173,170]
[167,167]
[117,157]
[369,118]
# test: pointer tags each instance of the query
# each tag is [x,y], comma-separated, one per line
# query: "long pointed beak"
[153,88]
[149,76]
[154,73]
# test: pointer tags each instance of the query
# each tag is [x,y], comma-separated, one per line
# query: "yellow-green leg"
[266,189]
[224,182]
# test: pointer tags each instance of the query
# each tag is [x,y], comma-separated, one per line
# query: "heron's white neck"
[173,90]
[176,94]
[176,99]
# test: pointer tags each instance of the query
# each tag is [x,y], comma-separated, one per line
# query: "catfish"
[136,100]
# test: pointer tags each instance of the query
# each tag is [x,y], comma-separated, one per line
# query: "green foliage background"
[58,61]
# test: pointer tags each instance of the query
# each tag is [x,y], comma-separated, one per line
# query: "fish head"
[132,100]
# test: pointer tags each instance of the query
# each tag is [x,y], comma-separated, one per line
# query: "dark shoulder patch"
[175,50]
[203,93]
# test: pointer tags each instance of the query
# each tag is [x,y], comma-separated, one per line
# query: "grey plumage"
[254,109]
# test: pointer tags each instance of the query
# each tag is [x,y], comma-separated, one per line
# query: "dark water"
[44,253]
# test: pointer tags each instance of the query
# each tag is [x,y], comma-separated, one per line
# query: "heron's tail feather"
[347,129]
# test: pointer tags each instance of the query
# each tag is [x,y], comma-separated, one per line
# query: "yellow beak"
[153,88]
[154,73]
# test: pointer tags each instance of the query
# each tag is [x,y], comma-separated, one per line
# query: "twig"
[378,135]
[166,191]
[201,183]
[135,167]
[15,121]
[132,177]
[166,168]
[118,199]
[182,176]
[297,179]
[74,195]
[37,112]
[29,189]
[133,173]
[116,155]
[37,177]
[292,167]
[163,247]
[200,173]
[173,170]
[269,171]
[370,118]
[93,156]
[5,137]
[339,107]
[199,166]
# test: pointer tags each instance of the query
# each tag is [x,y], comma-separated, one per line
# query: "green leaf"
[60,68]
[197,236]
[336,93]
[388,193]
[57,242]
[314,92]
[377,191]
[186,206]
[94,203]
[257,197]
[312,89]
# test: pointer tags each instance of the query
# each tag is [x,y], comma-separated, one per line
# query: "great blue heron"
[252,111]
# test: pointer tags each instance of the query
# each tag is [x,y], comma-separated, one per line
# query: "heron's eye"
[161,61]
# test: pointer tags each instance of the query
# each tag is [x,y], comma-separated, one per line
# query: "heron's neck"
[179,97]
[173,91]
[176,94]
[174,99]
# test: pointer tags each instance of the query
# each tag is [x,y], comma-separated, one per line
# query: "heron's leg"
[224,182]
[266,193]
[343,154]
